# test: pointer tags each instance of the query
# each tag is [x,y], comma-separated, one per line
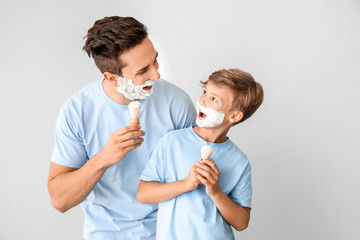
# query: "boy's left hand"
[208,169]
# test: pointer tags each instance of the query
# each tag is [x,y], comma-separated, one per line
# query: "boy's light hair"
[247,94]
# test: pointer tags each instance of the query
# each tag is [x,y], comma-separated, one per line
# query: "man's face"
[141,63]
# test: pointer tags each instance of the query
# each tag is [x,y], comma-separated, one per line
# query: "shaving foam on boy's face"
[208,117]
[132,91]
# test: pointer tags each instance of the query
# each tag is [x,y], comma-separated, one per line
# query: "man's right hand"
[70,186]
[119,144]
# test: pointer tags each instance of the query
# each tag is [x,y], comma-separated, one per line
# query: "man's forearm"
[70,188]
[234,214]
[155,192]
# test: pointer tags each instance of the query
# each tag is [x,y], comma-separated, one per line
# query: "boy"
[195,201]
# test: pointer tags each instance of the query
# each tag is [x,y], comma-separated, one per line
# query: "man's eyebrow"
[146,67]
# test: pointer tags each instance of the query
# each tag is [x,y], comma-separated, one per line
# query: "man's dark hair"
[109,38]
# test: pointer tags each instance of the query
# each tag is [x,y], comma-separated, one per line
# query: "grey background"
[303,141]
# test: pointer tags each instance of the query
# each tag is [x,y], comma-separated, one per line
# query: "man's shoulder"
[176,134]
[84,96]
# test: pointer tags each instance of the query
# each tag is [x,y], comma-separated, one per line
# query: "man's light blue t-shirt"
[193,215]
[85,124]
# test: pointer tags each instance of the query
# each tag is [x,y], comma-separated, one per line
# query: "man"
[98,157]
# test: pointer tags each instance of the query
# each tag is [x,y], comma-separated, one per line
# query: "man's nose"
[155,75]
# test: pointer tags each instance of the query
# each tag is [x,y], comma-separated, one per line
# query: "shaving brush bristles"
[134,109]
[206,152]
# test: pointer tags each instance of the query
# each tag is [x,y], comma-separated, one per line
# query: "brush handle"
[134,121]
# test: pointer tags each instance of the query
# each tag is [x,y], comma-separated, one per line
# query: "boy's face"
[217,97]
[141,63]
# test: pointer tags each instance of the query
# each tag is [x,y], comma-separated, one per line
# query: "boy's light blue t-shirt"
[193,215]
[85,124]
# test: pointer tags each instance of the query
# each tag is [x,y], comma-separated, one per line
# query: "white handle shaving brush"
[206,151]
[134,109]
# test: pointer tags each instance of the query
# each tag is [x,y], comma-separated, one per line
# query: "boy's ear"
[236,116]
[111,77]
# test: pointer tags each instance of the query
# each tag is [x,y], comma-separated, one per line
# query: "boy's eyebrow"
[215,95]
[146,67]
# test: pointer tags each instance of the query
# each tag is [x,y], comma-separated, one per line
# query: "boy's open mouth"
[201,115]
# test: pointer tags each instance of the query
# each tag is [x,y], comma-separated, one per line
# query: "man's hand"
[209,175]
[120,143]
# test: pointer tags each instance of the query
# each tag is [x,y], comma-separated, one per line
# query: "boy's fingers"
[212,165]
[201,179]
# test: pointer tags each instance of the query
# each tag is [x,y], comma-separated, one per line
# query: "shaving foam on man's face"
[208,117]
[132,91]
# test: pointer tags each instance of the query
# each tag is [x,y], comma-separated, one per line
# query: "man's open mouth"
[147,88]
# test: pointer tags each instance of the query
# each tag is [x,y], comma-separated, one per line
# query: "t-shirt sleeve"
[154,170]
[242,192]
[186,113]
[69,148]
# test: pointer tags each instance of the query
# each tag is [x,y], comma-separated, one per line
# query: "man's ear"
[236,116]
[111,77]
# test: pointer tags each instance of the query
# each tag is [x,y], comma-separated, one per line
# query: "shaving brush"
[206,152]
[134,109]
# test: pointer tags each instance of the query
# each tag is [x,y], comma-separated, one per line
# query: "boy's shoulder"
[236,152]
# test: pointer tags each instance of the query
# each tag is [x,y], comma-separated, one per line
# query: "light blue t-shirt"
[193,215]
[85,124]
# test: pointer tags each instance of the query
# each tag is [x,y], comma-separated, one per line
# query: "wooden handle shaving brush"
[134,109]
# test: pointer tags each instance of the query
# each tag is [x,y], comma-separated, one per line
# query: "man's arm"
[155,192]
[70,186]
[234,214]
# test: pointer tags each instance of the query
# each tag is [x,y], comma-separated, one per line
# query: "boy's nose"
[201,102]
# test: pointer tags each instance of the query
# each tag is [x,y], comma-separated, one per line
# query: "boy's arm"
[234,214]
[155,192]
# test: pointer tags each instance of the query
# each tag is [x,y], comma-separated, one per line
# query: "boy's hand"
[209,175]
[192,182]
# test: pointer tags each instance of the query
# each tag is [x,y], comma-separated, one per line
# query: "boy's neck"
[213,135]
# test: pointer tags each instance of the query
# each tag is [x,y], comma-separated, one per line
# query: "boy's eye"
[214,99]
[204,91]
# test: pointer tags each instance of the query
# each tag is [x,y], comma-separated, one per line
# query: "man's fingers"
[127,129]
[132,142]
[132,147]
[129,135]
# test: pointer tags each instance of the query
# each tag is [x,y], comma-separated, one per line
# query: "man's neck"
[213,135]
[112,93]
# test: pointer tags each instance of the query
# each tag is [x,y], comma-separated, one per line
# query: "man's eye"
[143,71]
